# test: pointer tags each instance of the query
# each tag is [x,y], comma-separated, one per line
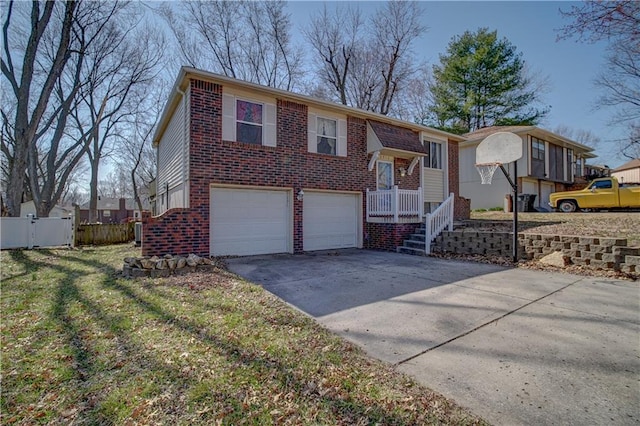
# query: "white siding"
[433,181]
[173,161]
[631,176]
[481,196]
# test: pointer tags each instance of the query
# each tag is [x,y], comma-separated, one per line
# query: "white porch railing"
[395,206]
[436,222]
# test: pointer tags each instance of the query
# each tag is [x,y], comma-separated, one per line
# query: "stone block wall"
[592,252]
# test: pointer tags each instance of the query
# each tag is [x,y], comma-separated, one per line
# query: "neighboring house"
[629,172]
[29,207]
[549,163]
[595,171]
[113,210]
[246,169]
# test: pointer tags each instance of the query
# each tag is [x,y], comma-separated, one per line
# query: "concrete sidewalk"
[513,345]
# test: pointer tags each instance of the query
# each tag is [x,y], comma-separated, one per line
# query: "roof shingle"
[395,137]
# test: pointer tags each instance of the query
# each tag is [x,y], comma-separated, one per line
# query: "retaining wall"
[592,252]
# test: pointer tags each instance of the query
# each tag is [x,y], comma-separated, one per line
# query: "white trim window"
[327,136]
[384,175]
[434,151]
[249,122]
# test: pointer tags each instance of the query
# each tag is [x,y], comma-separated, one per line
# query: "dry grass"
[83,346]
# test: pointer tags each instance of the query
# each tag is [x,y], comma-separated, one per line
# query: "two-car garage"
[250,221]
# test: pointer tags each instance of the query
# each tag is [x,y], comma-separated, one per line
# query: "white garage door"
[247,222]
[330,221]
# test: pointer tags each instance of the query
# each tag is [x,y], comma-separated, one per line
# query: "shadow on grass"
[69,292]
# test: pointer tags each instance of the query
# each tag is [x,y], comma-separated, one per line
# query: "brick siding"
[288,165]
[387,236]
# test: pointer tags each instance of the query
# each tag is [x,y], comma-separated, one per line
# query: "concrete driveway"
[514,346]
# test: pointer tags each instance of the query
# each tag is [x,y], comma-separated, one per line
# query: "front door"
[385,175]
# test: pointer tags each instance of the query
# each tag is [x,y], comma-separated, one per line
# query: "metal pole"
[515,212]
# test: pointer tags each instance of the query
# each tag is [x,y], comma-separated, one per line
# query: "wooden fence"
[99,234]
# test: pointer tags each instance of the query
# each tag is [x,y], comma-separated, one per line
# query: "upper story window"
[578,168]
[434,158]
[327,133]
[537,149]
[249,122]
[327,136]
[538,158]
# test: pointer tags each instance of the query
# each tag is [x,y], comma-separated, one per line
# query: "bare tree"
[585,137]
[415,104]
[59,149]
[137,154]
[334,39]
[121,67]
[241,39]
[366,64]
[28,87]
[398,25]
[617,23]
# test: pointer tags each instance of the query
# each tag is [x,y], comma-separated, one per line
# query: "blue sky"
[570,66]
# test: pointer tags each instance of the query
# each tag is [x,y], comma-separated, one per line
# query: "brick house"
[245,169]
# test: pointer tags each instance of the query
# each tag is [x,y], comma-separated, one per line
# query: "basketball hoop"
[486,171]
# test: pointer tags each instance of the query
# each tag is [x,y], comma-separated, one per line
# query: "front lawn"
[81,345]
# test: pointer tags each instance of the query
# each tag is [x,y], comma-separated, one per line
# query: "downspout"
[185,148]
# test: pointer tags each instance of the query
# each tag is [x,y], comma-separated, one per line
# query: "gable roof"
[187,73]
[394,137]
[633,164]
[480,134]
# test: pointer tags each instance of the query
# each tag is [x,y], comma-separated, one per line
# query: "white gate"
[30,232]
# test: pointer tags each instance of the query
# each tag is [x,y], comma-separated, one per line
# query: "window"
[385,175]
[569,164]
[578,170]
[537,158]
[537,149]
[603,184]
[248,122]
[327,136]
[434,151]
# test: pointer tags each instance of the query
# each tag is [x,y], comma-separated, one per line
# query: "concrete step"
[409,250]
[417,244]
[417,237]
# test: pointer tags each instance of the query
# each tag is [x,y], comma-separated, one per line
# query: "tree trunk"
[93,191]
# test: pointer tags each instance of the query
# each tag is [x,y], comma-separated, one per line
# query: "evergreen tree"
[481,81]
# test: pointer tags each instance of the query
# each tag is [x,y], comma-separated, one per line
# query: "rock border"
[156,267]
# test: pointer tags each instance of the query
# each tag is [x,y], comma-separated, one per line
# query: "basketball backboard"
[500,147]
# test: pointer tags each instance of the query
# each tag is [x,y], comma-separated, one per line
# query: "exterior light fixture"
[300,195]
[402,171]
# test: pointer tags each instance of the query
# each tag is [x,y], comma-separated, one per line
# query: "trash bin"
[530,202]
[526,202]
